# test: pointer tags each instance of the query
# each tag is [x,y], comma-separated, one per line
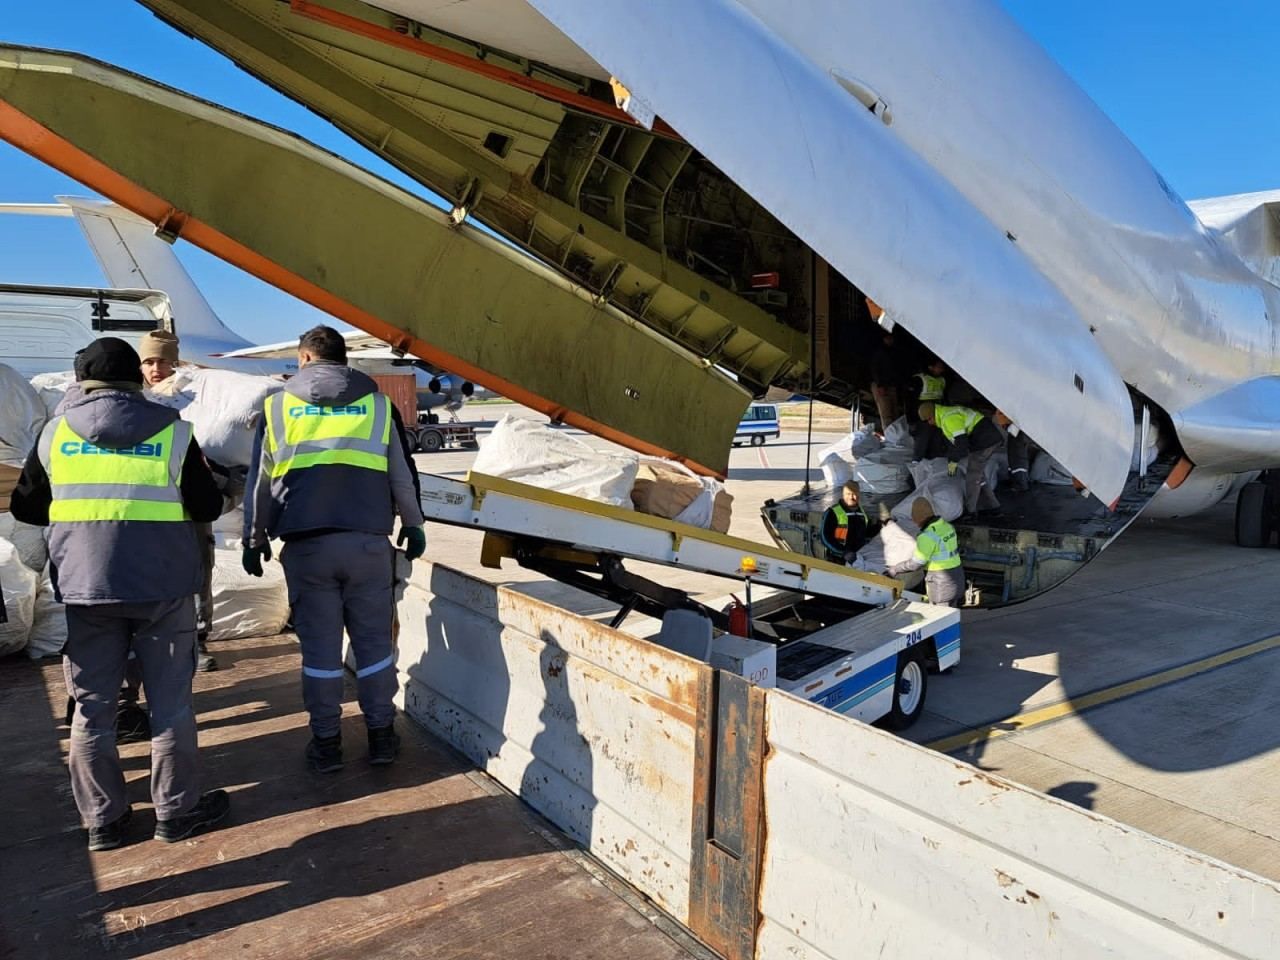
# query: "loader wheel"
[431,441]
[1253,515]
[910,683]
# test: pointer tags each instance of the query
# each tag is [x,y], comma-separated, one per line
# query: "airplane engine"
[1200,491]
[447,392]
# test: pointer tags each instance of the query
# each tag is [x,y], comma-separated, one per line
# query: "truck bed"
[427,858]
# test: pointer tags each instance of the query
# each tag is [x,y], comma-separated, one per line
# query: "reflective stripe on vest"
[93,483]
[842,522]
[937,547]
[931,388]
[955,421]
[301,434]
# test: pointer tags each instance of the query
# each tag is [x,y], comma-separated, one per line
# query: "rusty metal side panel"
[593,728]
[728,815]
[879,847]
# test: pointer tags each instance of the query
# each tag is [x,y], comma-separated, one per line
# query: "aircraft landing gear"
[1256,518]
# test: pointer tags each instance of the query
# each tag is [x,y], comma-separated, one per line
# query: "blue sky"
[1197,91]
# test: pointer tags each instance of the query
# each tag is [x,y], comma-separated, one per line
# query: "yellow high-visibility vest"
[841,531]
[954,421]
[937,547]
[96,483]
[931,388]
[300,434]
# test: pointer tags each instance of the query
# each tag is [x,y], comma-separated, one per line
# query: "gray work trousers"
[99,637]
[204,613]
[341,580]
[977,492]
[204,599]
[945,587]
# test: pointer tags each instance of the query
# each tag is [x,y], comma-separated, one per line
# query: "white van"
[757,424]
[42,328]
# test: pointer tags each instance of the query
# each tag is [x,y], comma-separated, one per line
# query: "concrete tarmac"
[1138,689]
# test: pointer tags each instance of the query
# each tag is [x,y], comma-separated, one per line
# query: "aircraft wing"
[897,227]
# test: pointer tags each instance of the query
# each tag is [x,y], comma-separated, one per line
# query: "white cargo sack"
[245,606]
[836,470]
[27,539]
[49,626]
[881,478]
[922,471]
[898,434]
[945,494]
[222,406]
[20,584]
[1045,469]
[22,416]
[895,544]
[52,388]
[856,444]
[541,456]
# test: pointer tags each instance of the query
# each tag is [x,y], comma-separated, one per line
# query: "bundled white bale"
[900,456]
[836,471]
[543,457]
[223,407]
[856,444]
[22,416]
[1045,469]
[228,529]
[922,471]
[52,388]
[20,584]
[27,539]
[945,494]
[49,624]
[246,606]
[896,543]
[898,434]
[882,478]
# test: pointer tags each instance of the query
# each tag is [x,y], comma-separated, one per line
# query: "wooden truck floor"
[427,858]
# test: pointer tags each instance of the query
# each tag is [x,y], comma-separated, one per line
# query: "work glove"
[251,558]
[415,541]
[952,467]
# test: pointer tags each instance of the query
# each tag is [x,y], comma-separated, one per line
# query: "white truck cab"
[42,328]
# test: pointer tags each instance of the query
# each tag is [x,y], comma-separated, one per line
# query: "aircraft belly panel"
[367,252]
[835,174]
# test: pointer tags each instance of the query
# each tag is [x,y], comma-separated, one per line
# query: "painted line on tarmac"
[1067,708]
[764,461]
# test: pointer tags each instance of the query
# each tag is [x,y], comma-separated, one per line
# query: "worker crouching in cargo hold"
[121,483]
[938,553]
[972,438]
[330,471]
[845,526]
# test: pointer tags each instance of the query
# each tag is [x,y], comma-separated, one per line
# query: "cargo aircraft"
[687,188]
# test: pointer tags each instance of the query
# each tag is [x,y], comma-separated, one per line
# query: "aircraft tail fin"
[1250,224]
[131,255]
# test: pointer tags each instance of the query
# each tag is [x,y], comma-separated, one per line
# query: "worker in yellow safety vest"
[121,482]
[931,386]
[972,439]
[938,553]
[845,525]
[331,472]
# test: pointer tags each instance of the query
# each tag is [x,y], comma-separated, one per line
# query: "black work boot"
[205,662]
[324,754]
[132,723]
[111,835]
[384,744]
[207,813]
